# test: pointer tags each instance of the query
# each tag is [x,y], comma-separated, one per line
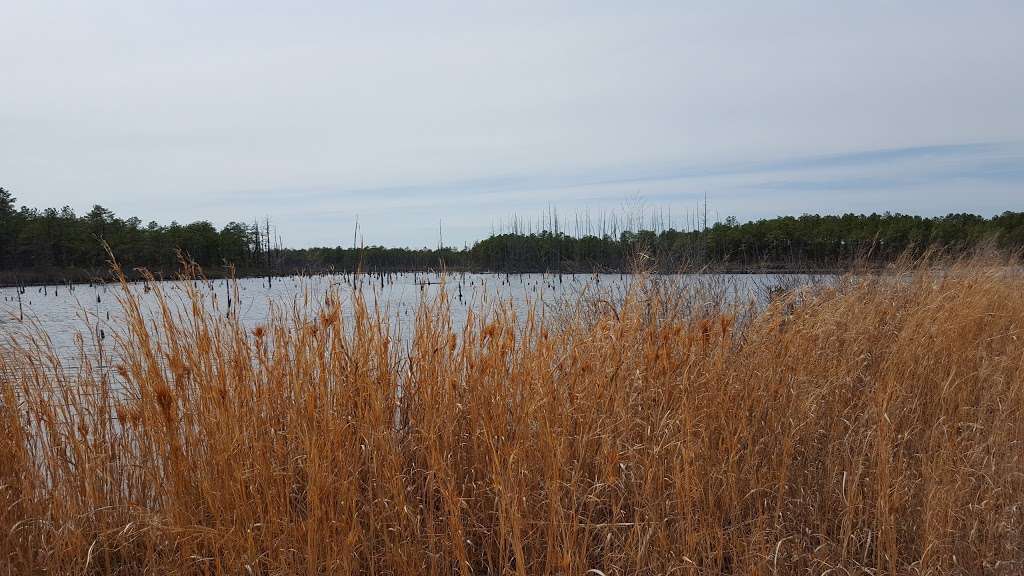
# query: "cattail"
[164,400]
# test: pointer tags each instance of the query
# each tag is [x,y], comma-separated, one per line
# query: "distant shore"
[51,246]
[35,278]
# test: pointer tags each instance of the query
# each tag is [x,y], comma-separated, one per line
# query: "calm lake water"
[62,312]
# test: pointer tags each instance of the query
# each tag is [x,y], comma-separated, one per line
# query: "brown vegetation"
[872,426]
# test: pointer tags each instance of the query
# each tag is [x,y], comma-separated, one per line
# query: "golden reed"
[872,426]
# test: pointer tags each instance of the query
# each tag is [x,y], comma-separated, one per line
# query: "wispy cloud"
[920,179]
[863,169]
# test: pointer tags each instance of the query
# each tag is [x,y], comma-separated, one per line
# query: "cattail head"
[165,400]
[329,318]
[490,330]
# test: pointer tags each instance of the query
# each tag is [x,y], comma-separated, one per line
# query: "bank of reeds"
[870,426]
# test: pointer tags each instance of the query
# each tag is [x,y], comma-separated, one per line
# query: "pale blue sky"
[411,114]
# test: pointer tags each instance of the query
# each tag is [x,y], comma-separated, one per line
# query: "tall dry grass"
[873,426]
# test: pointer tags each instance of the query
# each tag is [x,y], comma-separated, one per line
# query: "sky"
[421,119]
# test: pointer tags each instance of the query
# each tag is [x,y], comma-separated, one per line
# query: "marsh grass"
[873,425]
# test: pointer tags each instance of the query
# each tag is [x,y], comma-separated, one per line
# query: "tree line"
[788,243]
[52,245]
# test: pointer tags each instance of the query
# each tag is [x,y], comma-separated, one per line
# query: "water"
[94,314]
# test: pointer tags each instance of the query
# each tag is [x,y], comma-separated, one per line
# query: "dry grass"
[871,427]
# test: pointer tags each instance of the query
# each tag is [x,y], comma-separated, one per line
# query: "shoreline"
[27,279]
